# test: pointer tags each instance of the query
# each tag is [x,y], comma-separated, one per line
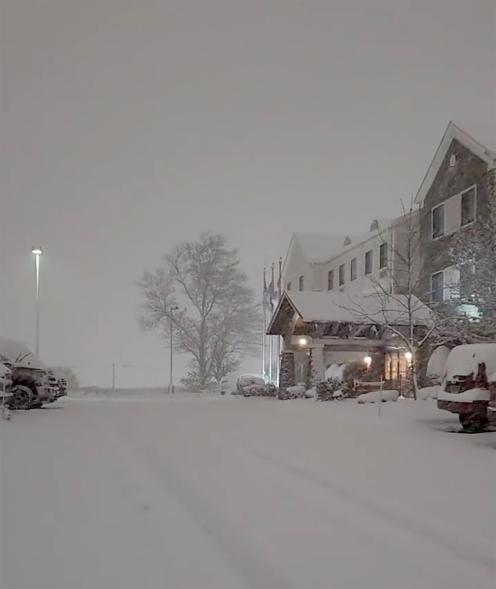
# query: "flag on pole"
[272,289]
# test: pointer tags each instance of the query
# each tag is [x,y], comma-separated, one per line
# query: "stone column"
[318,365]
[287,373]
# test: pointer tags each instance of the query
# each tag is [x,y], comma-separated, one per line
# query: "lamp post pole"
[114,366]
[171,343]
[37,252]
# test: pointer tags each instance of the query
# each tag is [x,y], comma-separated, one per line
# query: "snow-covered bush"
[431,392]
[331,389]
[260,390]
[294,392]
[335,371]
[378,397]
[310,393]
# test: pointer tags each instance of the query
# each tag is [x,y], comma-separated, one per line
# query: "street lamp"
[37,253]
[171,379]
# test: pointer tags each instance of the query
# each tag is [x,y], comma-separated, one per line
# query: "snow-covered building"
[453,195]
[329,282]
[353,264]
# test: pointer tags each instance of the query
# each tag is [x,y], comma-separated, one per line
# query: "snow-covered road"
[196,492]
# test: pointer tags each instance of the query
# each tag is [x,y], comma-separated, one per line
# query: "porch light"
[302,342]
[408,356]
[368,361]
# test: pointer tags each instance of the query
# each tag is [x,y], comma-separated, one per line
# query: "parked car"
[30,387]
[62,387]
[5,383]
[469,385]
[54,385]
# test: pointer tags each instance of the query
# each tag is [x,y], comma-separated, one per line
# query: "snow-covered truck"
[469,385]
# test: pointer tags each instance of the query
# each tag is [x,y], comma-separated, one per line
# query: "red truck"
[469,385]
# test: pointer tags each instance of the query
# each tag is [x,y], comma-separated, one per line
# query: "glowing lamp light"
[37,251]
[408,356]
[368,361]
[302,341]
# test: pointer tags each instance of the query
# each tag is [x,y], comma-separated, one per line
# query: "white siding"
[296,266]
[363,283]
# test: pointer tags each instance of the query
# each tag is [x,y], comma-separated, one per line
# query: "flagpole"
[264,337]
[278,348]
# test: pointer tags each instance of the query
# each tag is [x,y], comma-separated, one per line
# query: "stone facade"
[468,170]
[287,370]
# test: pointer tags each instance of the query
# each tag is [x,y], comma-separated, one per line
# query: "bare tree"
[217,320]
[396,304]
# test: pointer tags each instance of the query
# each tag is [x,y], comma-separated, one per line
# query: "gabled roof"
[324,307]
[319,247]
[452,132]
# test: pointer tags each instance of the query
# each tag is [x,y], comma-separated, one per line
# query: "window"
[330,280]
[438,222]
[301,283]
[383,255]
[468,206]
[288,287]
[341,275]
[353,269]
[437,287]
[368,262]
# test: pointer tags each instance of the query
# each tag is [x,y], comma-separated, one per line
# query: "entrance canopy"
[326,307]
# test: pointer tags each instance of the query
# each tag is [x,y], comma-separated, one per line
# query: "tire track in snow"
[469,554]
[243,556]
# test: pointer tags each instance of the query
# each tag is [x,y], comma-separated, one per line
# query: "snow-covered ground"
[205,491]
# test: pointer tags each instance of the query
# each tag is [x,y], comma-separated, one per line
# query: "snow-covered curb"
[378,396]
[465,397]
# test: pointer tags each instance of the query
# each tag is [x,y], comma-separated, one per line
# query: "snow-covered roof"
[323,307]
[452,132]
[319,247]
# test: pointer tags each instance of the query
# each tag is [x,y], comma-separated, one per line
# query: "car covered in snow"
[5,383]
[30,387]
[469,384]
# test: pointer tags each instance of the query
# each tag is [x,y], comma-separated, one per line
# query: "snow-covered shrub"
[310,393]
[260,390]
[293,392]
[429,392]
[326,389]
[378,397]
[335,371]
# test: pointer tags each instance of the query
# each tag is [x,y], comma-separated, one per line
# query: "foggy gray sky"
[128,126]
